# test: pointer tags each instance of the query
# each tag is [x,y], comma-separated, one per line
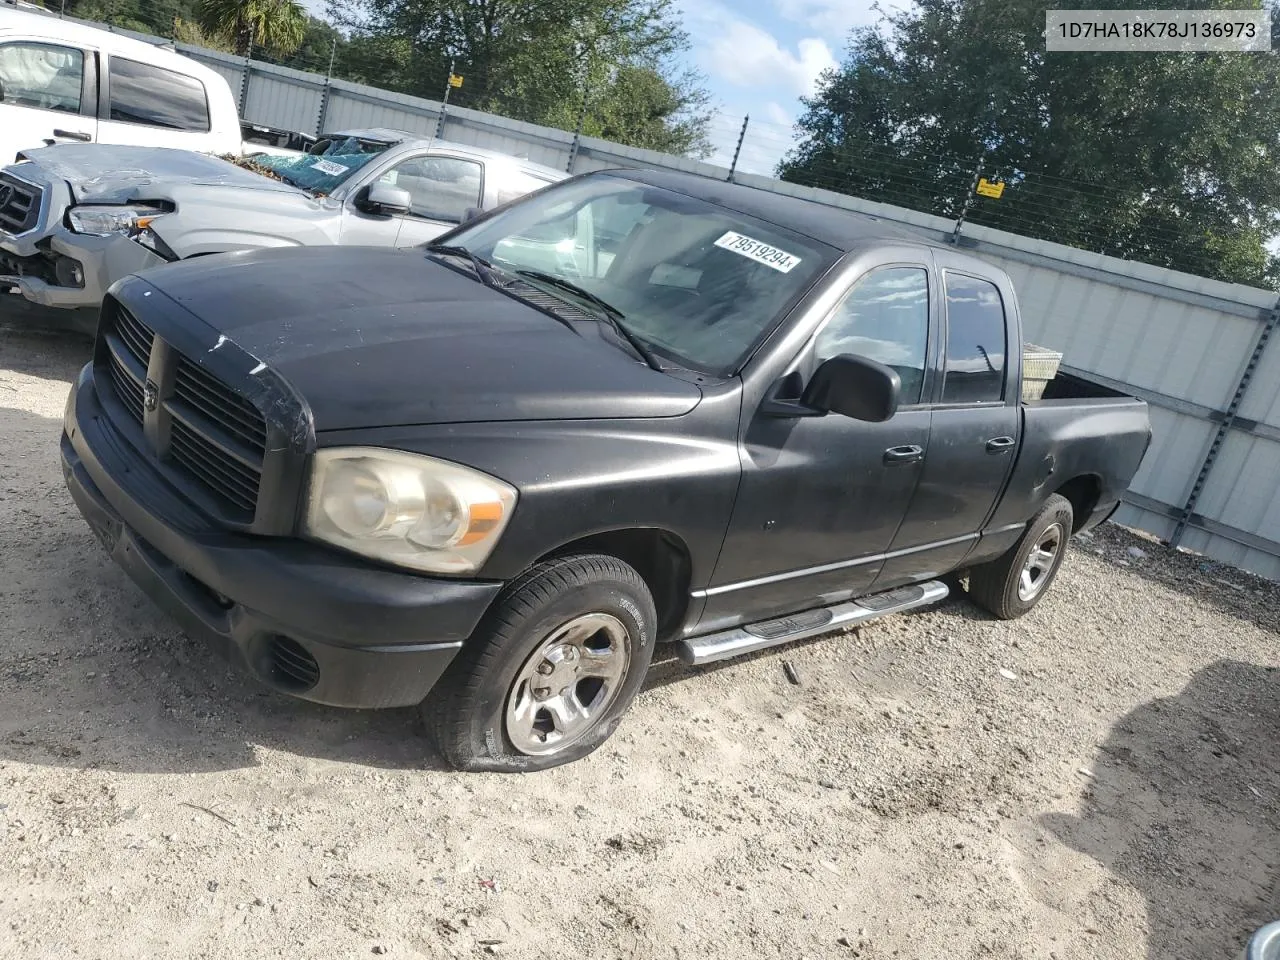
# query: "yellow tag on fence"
[989,189]
[455,80]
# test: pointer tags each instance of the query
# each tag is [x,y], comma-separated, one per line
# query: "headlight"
[407,509]
[105,221]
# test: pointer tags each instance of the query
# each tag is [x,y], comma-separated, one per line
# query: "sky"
[759,57]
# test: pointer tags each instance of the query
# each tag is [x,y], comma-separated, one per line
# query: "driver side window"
[885,317]
[440,188]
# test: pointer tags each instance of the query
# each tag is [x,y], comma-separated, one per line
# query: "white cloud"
[776,114]
[834,18]
[742,54]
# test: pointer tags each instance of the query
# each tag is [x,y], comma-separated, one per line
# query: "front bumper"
[286,610]
[102,260]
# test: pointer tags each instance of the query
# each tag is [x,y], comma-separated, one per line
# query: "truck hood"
[371,337]
[106,173]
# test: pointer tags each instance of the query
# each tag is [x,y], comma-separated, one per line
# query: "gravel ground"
[1096,780]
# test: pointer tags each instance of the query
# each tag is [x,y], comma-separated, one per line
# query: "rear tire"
[550,671]
[1013,583]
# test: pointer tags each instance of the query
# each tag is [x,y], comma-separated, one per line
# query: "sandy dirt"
[1097,780]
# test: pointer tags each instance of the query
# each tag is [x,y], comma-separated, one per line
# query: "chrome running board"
[797,626]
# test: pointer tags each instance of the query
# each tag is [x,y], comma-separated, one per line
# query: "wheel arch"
[1083,493]
[661,558]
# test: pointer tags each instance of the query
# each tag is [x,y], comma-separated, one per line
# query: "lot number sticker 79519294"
[758,251]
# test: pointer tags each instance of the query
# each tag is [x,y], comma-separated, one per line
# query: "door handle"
[1000,444]
[73,135]
[907,454]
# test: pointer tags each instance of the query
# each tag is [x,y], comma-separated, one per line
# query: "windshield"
[323,172]
[698,282]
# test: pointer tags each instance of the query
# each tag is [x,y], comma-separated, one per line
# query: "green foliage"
[1169,158]
[530,61]
[275,25]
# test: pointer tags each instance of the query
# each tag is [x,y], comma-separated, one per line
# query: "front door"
[821,498]
[974,437]
[48,92]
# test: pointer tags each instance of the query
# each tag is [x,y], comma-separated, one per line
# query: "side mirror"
[854,387]
[470,214]
[385,199]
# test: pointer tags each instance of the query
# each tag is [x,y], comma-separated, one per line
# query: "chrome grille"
[19,205]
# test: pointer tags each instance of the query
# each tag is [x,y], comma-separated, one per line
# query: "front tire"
[1013,583]
[549,673]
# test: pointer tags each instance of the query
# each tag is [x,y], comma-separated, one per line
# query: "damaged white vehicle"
[74,218]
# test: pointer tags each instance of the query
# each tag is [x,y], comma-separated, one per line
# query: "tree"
[277,25]
[1168,158]
[532,61]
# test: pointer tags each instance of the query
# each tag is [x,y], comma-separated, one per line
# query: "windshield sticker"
[329,167]
[758,251]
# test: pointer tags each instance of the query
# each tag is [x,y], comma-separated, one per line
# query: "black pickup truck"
[489,475]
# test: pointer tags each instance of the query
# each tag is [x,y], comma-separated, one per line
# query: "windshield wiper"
[482,267]
[610,314]
[485,273]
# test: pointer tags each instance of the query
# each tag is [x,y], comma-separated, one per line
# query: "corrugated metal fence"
[1195,349]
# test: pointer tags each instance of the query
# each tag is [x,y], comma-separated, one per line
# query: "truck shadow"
[1182,805]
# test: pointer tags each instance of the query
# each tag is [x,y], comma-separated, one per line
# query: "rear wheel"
[1013,583]
[551,670]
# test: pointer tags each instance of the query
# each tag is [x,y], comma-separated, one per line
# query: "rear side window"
[141,93]
[975,341]
[41,75]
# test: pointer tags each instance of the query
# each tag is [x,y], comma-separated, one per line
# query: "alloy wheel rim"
[1040,562]
[567,684]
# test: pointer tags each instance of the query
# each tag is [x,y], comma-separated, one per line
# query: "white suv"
[62,81]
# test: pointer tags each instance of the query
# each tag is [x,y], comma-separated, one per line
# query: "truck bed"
[1079,429]
[1067,387]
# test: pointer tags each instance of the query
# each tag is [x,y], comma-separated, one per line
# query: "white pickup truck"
[65,82]
[75,218]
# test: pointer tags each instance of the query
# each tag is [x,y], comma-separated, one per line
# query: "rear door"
[974,432]
[152,106]
[48,92]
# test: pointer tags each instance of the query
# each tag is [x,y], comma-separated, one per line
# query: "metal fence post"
[444,103]
[582,120]
[1224,426]
[742,135]
[968,198]
[325,93]
[244,78]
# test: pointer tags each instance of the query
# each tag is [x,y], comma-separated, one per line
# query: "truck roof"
[49,26]
[842,229]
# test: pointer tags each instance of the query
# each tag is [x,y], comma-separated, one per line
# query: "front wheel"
[551,670]
[1013,583]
